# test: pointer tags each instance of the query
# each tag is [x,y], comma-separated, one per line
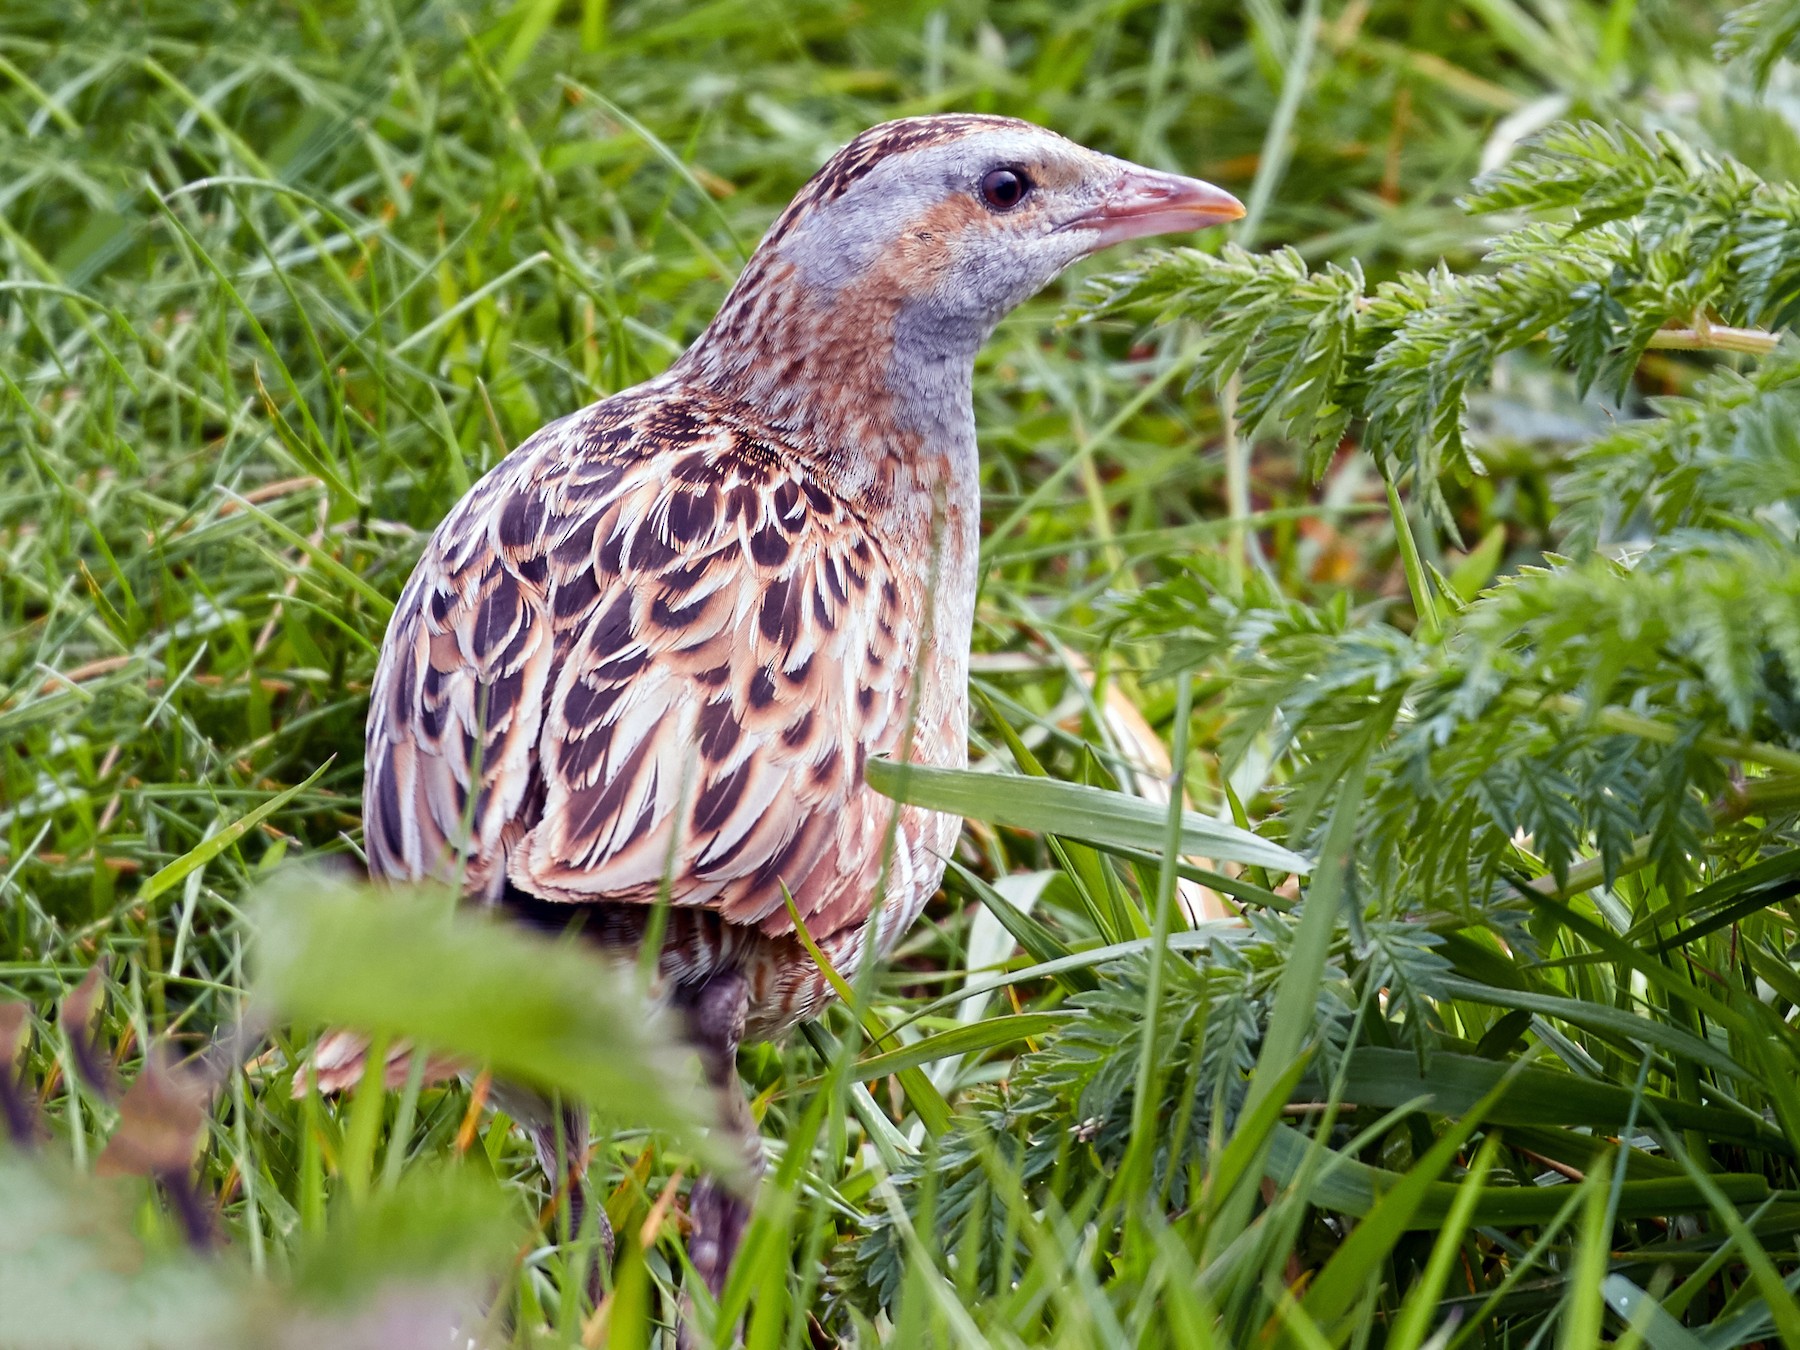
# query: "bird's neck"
[872,390]
[877,396]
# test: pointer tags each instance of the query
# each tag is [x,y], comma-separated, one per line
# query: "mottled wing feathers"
[648,650]
[458,703]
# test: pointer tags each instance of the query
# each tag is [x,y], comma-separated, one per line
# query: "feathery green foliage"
[1661,234]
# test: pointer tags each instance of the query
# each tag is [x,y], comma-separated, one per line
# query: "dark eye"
[1004,189]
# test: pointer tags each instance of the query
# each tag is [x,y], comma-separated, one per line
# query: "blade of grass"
[1358,1261]
[1050,807]
[1293,1021]
[1420,1305]
[215,844]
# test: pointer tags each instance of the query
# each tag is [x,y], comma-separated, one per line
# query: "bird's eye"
[1004,189]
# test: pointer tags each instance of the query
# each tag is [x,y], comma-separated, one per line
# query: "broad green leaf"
[552,1014]
[1050,807]
[436,1222]
[1352,1187]
[1453,1083]
[1478,566]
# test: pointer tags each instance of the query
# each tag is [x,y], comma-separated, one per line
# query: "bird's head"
[917,237]
[960,218]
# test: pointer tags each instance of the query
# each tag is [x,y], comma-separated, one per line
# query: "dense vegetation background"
[1464,570]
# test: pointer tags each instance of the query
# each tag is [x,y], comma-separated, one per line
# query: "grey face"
[962,230]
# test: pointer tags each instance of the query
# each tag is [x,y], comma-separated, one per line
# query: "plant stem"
[1149,1083]
[1416,581]
[1591,872]
[1237,487]
[1649,729]
[1714,338]
[1277,140]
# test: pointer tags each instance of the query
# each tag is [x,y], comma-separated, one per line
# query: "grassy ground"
[279,281]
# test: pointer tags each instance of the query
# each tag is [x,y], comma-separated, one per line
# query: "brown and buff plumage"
[655,641]
[650,653]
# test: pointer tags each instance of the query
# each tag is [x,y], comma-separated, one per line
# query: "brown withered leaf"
[15,1033]
[15,1104]
[78,1014]
[161,1121]
[81,1003]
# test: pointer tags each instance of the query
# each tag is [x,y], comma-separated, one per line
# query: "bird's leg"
[718,1212]
[561,1141]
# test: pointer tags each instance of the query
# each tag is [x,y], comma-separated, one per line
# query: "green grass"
[1504,1058]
